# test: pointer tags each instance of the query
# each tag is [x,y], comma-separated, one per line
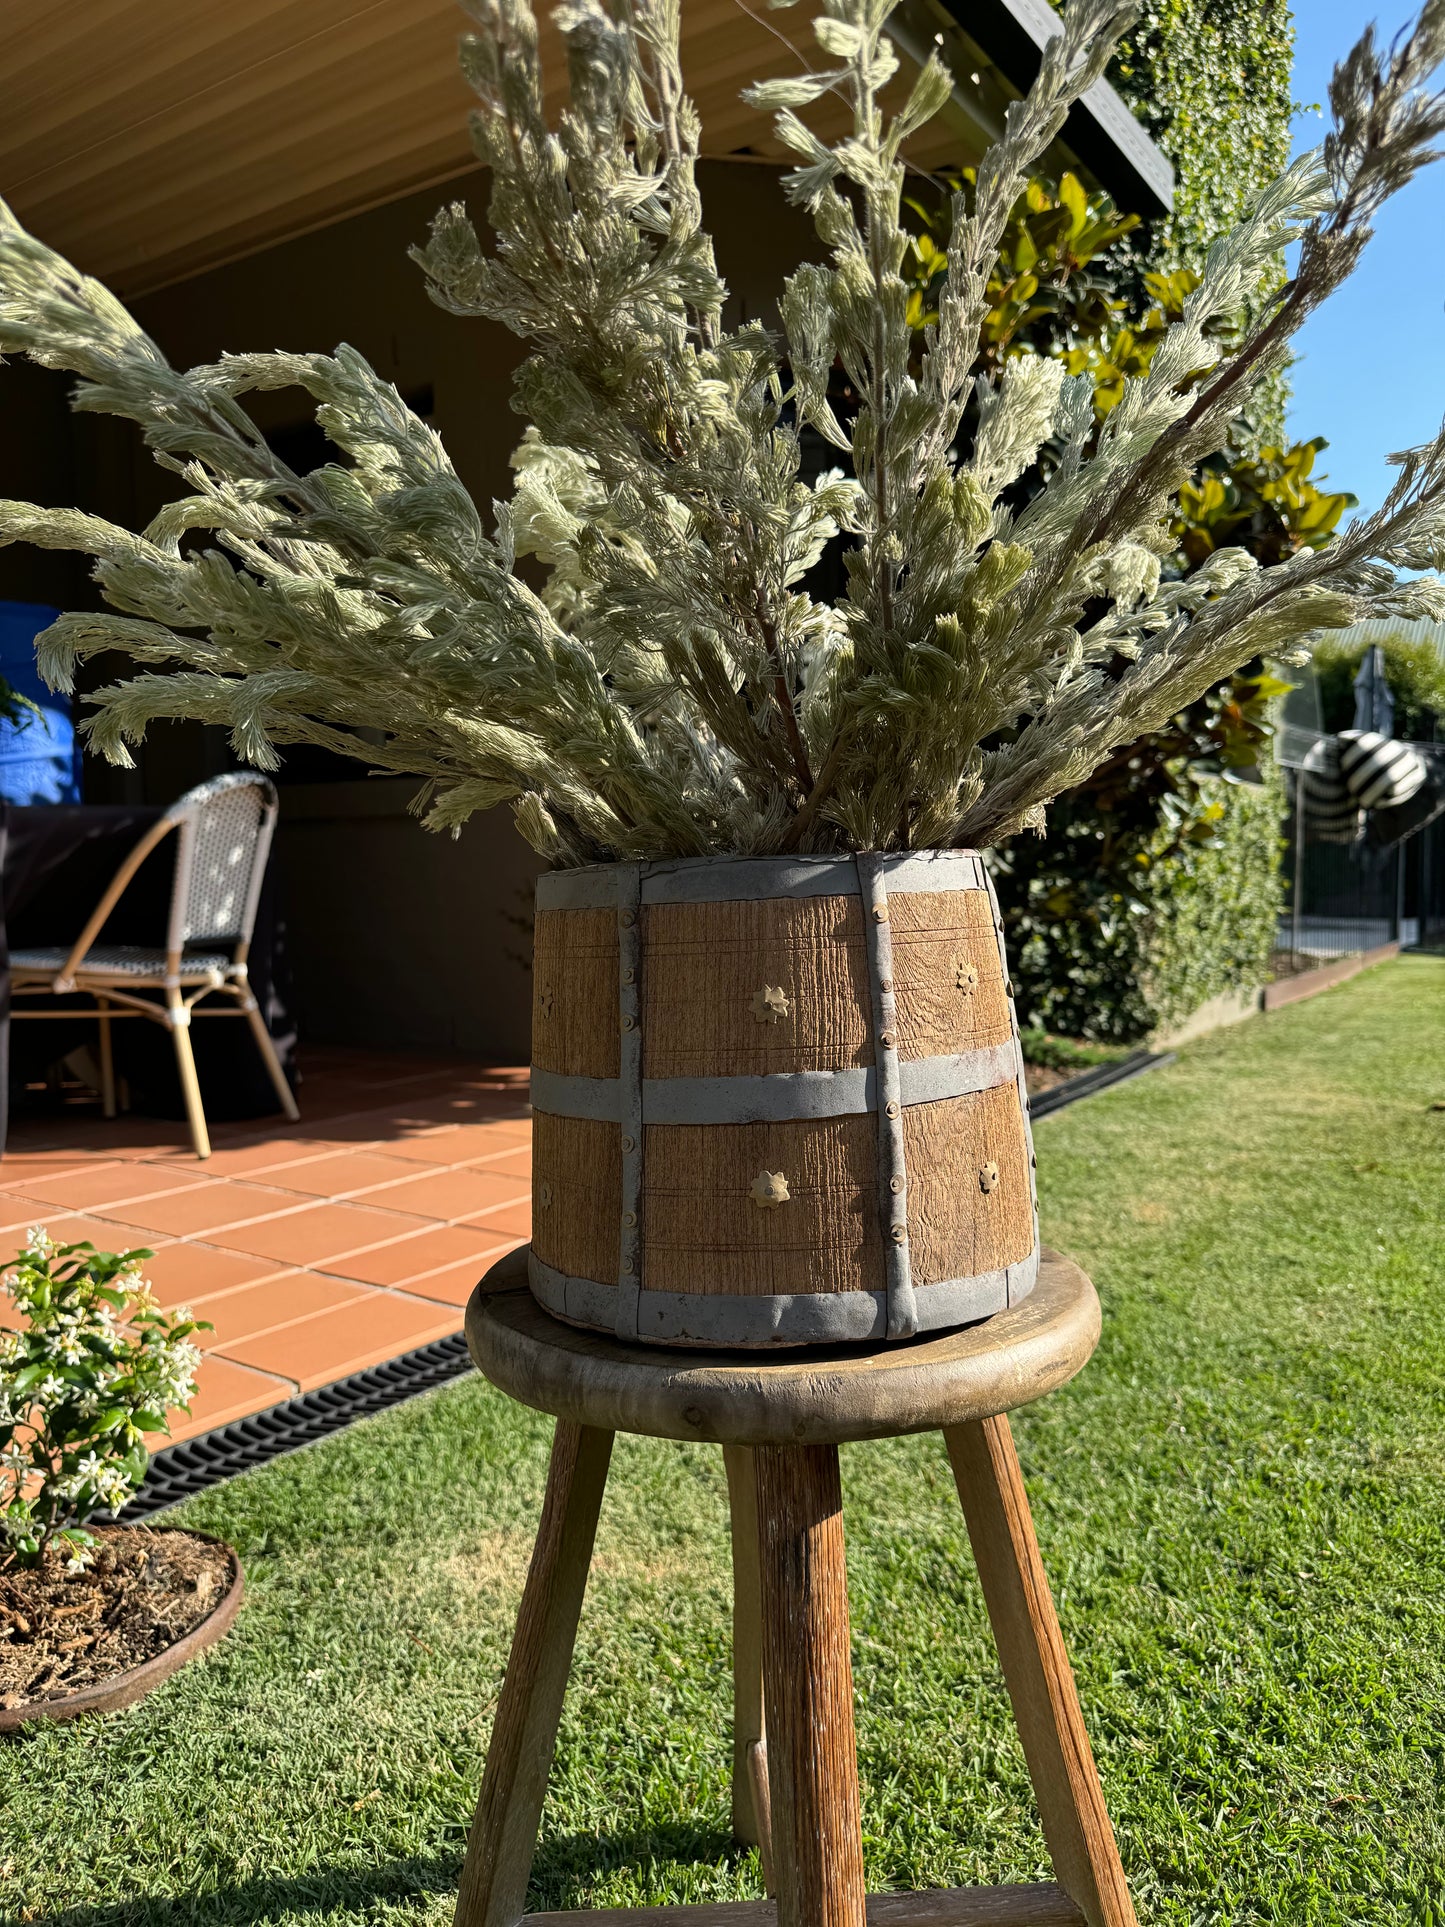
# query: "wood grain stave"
[574,993]
[935,934]
[704,962]
[576,1195]
[956,1229]
[703,1232]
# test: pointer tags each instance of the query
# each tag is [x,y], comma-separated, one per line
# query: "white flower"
[38,1241]
[49,1387]
[113,1486]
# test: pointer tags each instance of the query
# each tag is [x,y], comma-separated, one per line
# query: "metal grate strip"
[1100,1078]
[178,1471]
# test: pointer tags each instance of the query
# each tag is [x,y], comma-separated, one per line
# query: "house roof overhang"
[149,140]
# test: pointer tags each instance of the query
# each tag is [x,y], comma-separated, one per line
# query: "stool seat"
[821,1397]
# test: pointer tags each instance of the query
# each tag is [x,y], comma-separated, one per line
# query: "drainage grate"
[1088,1083]
[177,1471]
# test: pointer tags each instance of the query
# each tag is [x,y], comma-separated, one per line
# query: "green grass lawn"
[1240,1502]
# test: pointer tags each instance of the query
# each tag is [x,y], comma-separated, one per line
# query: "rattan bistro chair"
[225,829]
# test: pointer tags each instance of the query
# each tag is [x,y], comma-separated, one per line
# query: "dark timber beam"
[1101,131]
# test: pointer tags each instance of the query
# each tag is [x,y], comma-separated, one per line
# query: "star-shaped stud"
[988,1177]
[544,1000]
[770,1189]
[770,1004]
[966,976]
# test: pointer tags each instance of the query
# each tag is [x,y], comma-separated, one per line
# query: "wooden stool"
[780,1418]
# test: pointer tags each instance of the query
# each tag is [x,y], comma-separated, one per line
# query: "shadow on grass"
[316,1892]
[568,1863]
[565,1867]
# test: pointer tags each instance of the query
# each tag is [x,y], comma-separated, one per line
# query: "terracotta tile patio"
[316,1248]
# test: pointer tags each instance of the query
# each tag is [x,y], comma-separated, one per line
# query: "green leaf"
[1072,194]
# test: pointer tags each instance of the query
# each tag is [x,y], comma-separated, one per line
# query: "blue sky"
[1371,370]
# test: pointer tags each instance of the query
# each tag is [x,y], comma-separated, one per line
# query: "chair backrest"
[225,831]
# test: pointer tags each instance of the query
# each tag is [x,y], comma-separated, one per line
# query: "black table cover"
[55,863]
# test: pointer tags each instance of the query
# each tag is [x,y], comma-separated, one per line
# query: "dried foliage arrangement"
[674,688]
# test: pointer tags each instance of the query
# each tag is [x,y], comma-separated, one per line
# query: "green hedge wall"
[1115,953]
[1210,79]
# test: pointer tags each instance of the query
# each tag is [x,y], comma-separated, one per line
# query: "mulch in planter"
[62,1631]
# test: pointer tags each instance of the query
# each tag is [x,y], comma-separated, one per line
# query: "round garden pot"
[124,1687]
[777,1101]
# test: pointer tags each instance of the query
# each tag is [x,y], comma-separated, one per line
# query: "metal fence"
[1425,885]
[1342,898]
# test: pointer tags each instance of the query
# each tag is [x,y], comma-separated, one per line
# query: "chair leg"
[1036,1670]
[179,1019]
[107,1059]
[524,1733]
[752,1817]
[808,1688]
[268,1055]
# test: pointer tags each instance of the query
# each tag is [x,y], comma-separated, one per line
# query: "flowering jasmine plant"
[92,1367]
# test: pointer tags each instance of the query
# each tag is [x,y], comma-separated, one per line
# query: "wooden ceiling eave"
[219,68]
[151,139]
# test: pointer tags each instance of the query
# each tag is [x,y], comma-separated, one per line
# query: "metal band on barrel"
[601,886]
[798,1318]
[777,1097]
[629,1004]
[892,1174]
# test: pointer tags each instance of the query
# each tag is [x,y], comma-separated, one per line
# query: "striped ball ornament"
[1379,773]
[1331,809]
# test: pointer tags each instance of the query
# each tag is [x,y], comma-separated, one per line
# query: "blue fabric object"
[40,760]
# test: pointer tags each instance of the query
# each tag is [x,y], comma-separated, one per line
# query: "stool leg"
[514,1780]
[752,1818]
[1037,1672]
[808,1688]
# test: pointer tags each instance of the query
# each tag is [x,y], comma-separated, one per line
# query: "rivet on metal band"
[629,1257]
[892,1176]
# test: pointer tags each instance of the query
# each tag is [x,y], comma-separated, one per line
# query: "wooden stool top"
[785,1397]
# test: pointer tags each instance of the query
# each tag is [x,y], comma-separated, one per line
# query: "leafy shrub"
[94,1365]
[1210,79]
[1114,946]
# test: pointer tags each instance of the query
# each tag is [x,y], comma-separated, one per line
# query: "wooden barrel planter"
[777,1101]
